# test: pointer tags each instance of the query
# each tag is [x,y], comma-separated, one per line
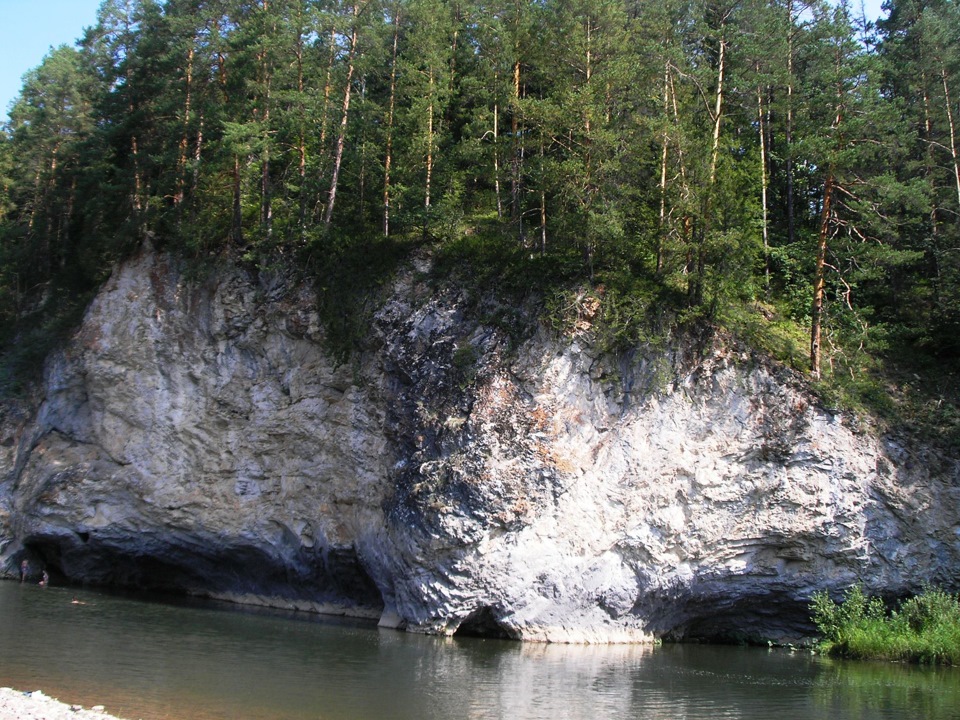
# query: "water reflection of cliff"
[497,679]
[157,662]
[476,679]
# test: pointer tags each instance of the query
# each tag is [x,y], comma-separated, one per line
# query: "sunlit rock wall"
[197,437]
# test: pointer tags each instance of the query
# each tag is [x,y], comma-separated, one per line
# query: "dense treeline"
[777,154]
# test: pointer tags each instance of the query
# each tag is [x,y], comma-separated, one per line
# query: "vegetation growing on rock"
[781,168]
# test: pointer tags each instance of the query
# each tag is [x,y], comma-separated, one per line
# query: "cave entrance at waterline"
[483,623]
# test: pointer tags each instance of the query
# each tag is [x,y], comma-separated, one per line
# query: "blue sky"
[29,28]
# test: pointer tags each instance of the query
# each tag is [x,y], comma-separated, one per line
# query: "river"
[160,660]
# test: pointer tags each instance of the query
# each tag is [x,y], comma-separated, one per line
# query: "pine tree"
[49,123]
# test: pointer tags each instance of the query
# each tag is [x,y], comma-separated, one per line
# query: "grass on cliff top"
[923,629]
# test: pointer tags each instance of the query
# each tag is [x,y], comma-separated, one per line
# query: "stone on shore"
[17,705]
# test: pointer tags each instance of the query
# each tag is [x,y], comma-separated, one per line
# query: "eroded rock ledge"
[196,437]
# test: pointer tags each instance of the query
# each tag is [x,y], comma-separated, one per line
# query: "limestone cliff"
[195,436]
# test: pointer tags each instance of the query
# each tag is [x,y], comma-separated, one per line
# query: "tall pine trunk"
[788,128]
[324,114]
[496,159]
[953,133]
[664,151]
[696,273]
[429,178]
[301,131]
[819,277]
[266,200]
[183,150]
[237,232]
[764,182]
[515,211]
[344,116]
[823,239]
[391,109]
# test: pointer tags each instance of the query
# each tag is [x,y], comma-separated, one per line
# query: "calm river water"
[151,660]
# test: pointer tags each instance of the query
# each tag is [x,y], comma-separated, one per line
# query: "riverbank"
[16,705]
[922,629]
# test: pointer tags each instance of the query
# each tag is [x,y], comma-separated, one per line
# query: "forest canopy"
[780,156]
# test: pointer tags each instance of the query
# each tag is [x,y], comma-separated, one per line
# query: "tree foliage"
[721,153]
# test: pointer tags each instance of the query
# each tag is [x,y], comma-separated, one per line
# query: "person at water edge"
[24,568]
[45,579]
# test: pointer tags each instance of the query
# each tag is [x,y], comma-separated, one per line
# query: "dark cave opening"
[483,623]
[751,620]
[333,575]
[78,560]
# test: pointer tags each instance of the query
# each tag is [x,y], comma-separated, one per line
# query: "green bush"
[924,629]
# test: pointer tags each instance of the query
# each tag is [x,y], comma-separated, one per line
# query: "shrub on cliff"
[923,629]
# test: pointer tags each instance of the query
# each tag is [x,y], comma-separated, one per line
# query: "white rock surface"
[34,705]
[198,437]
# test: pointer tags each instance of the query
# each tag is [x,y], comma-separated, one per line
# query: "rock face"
[196,437]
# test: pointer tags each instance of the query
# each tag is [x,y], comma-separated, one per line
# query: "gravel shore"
[16,705]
